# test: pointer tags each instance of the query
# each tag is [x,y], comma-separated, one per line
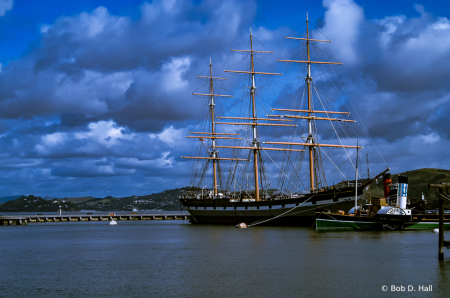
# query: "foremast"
[213,135]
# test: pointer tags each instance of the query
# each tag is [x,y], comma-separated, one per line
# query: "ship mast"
[213,130]
[310,138]
[255,145]
[213,154]
[255,139]
[311,143]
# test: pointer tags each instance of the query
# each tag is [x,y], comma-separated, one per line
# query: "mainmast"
[213,130]
[255,145]
[255,139]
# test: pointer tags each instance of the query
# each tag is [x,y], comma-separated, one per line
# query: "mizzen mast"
[311,142]
[213,135]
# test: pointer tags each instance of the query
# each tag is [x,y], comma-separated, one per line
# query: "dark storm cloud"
[100,65]
[395,69]
[101,104]
[104,96]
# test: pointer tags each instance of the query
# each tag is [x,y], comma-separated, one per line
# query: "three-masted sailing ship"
[241,192]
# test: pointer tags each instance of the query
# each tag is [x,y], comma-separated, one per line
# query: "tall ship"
[262,158]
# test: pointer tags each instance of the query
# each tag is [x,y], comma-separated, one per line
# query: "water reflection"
[169,258]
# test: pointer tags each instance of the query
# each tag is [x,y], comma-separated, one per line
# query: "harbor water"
[179,259]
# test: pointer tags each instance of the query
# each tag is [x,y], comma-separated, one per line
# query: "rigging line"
[270,87]
[201,86]
[290,52]
[292,163]
[260,43]
[245,58]
[294,174]
[204,70]
[282,214]
[282,40]
[298,212]
[325,53]
[338,168]
[276,165]
[362,124]
[245,39]
[370,147]
[333,163]
[315,28]
[333,126]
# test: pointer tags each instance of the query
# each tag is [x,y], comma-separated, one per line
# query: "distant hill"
[418,181]
[9,198]
[36,204]
[79,200]
[167,200]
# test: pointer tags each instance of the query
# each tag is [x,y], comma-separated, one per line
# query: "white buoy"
[112,222]
[436,231]
[242,225]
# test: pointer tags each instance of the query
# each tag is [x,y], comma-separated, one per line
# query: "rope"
[282,213]
[331,122]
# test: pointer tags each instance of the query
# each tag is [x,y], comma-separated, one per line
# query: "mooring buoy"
[242,225]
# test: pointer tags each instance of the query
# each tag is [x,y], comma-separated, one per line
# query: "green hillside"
[36,204]
[418,181]
[167,200]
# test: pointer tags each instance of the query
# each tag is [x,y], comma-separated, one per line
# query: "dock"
[42,218]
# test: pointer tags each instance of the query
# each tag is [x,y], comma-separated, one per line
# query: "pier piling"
[442,198]
[25,219]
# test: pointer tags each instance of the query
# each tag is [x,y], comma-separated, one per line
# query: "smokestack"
[402,192]
[386,182]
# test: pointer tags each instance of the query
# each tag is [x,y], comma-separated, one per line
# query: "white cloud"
[430,138]
[169,5]
[173,72]
[343,21]
[149,12]
[5,5]
[89,25]
[94,92]
[106,133]
[170,135]
[391,24]
[162,162]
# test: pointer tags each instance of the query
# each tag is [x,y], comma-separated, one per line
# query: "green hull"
[330,224]
[427,226]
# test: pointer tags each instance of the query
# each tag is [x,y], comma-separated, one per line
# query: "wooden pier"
[41,218]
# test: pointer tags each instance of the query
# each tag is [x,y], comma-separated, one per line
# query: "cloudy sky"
[95,96]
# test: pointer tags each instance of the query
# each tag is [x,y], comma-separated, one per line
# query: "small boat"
[112,222]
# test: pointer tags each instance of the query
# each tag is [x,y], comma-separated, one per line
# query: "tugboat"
[388,213]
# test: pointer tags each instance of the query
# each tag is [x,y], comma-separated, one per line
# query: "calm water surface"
[178,259]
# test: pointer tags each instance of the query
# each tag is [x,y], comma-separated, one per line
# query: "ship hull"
[301,216]
[287,212]
[326,222]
